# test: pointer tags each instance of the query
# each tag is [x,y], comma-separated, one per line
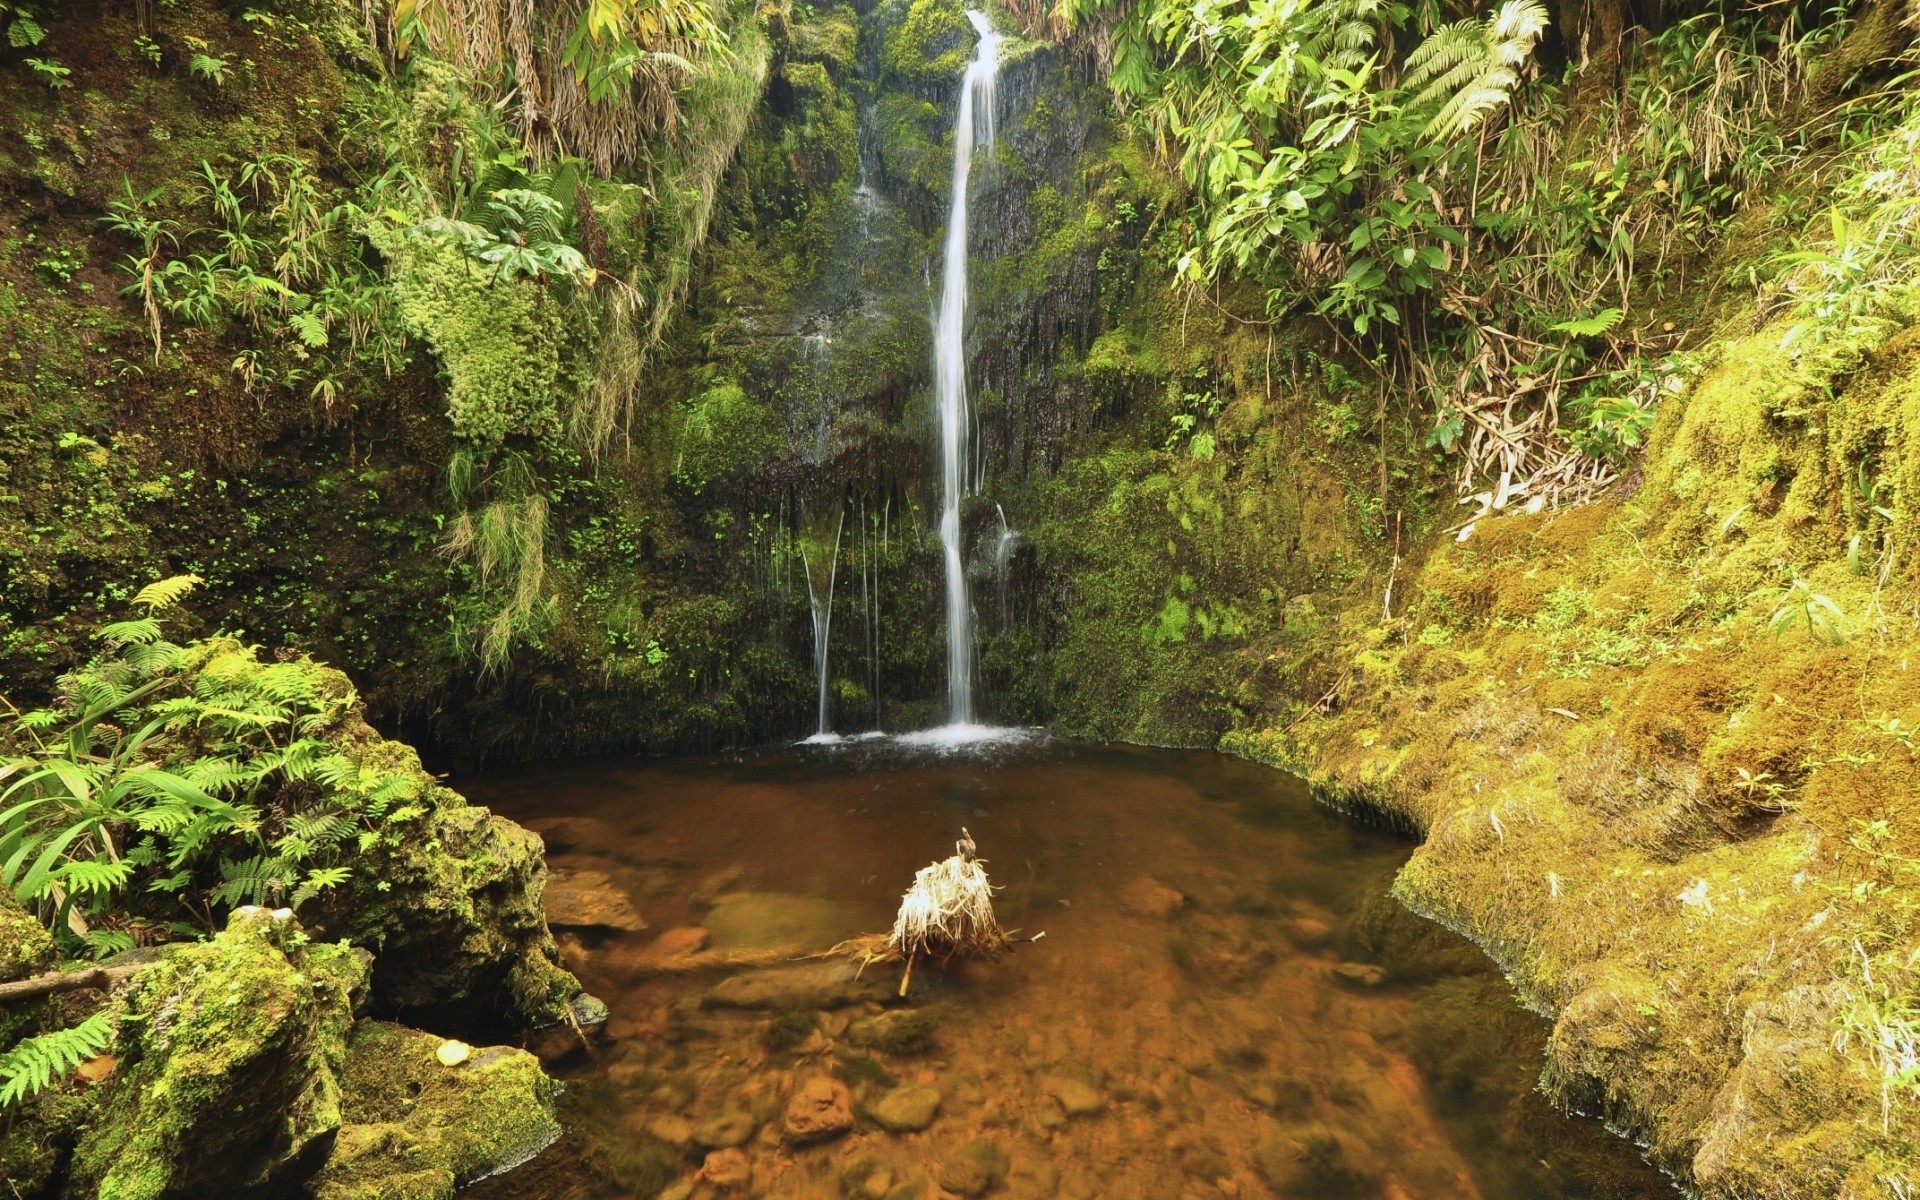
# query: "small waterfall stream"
[950,366]
[820,601]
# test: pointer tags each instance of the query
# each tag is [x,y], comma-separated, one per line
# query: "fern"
[1592,326]
[34,1064]
[93,877]
[105,943]
[1469,68]
[310,328]
[319,880]
[165,593]
[251,881]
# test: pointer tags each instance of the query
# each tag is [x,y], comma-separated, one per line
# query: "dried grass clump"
[947,913]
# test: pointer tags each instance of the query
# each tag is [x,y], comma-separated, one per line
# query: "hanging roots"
[948,912]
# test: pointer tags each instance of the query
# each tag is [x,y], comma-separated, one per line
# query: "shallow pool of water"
[1210,993]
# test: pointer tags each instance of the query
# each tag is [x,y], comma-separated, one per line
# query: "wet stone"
[589,899]
[1149,899]
[907,1109]
[778,921]
[674,1131]
[821,1110]
[974,1169]
[866,1179]
[1362,975]
[1315,1160]
[811,985]
[682,939]
[1077,1099]
[727,1171]
[897,1031]
[729,1129]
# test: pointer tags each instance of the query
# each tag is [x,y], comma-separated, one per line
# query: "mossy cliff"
[1657,749]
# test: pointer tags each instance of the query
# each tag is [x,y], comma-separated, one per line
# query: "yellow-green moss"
[417,1130]
[230,1054]
[500,340]
[1645,795]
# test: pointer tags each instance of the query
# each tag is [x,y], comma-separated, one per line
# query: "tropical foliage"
[170,782]
[592,78]
[1427,186]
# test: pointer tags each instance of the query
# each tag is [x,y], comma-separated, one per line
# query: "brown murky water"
[1224,1002]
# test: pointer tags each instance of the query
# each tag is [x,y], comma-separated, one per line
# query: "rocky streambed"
[1210,993]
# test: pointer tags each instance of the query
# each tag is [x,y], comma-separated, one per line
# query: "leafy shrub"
[170,779]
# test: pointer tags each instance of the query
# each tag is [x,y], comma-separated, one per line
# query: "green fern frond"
[1469,68]
[34,1064]
[137,632]
[318,880]
[94,877]
[165,593]
[251,881]
[105,943]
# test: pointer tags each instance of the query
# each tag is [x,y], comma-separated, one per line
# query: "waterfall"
[1002,561]
[821,605]
[950,368]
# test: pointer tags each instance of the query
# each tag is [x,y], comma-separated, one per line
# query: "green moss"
[26,948]
[417,1130]
[927,44]
[230,1054]
[500,341]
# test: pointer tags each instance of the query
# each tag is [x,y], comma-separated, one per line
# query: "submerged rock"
[1148,898]
[681,939]
[417,1130]
[778,921]
[232,1052]
[825,984]
[727,1171]
[974,1169]
[898,1031]
[907,1109]
[1077,1099]
[728,1129]
[589,899]
[1360,975]
[1316,1160]
[821,1110]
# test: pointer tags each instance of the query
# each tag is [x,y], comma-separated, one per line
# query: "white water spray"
[950,365]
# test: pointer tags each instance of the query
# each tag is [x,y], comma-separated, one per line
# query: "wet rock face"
[459,931]
[232,1053]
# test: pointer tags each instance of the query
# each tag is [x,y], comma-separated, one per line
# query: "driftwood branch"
[55,982]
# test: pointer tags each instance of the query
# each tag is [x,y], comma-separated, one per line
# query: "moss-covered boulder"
[230,1055]
[418,1129]
[453,912]
[446,894]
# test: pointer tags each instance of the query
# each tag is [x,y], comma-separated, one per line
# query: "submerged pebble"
[907,1109]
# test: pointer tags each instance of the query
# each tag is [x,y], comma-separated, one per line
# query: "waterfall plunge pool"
[1226,1002]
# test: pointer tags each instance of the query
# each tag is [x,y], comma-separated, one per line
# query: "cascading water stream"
[950,365]
[821,604]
